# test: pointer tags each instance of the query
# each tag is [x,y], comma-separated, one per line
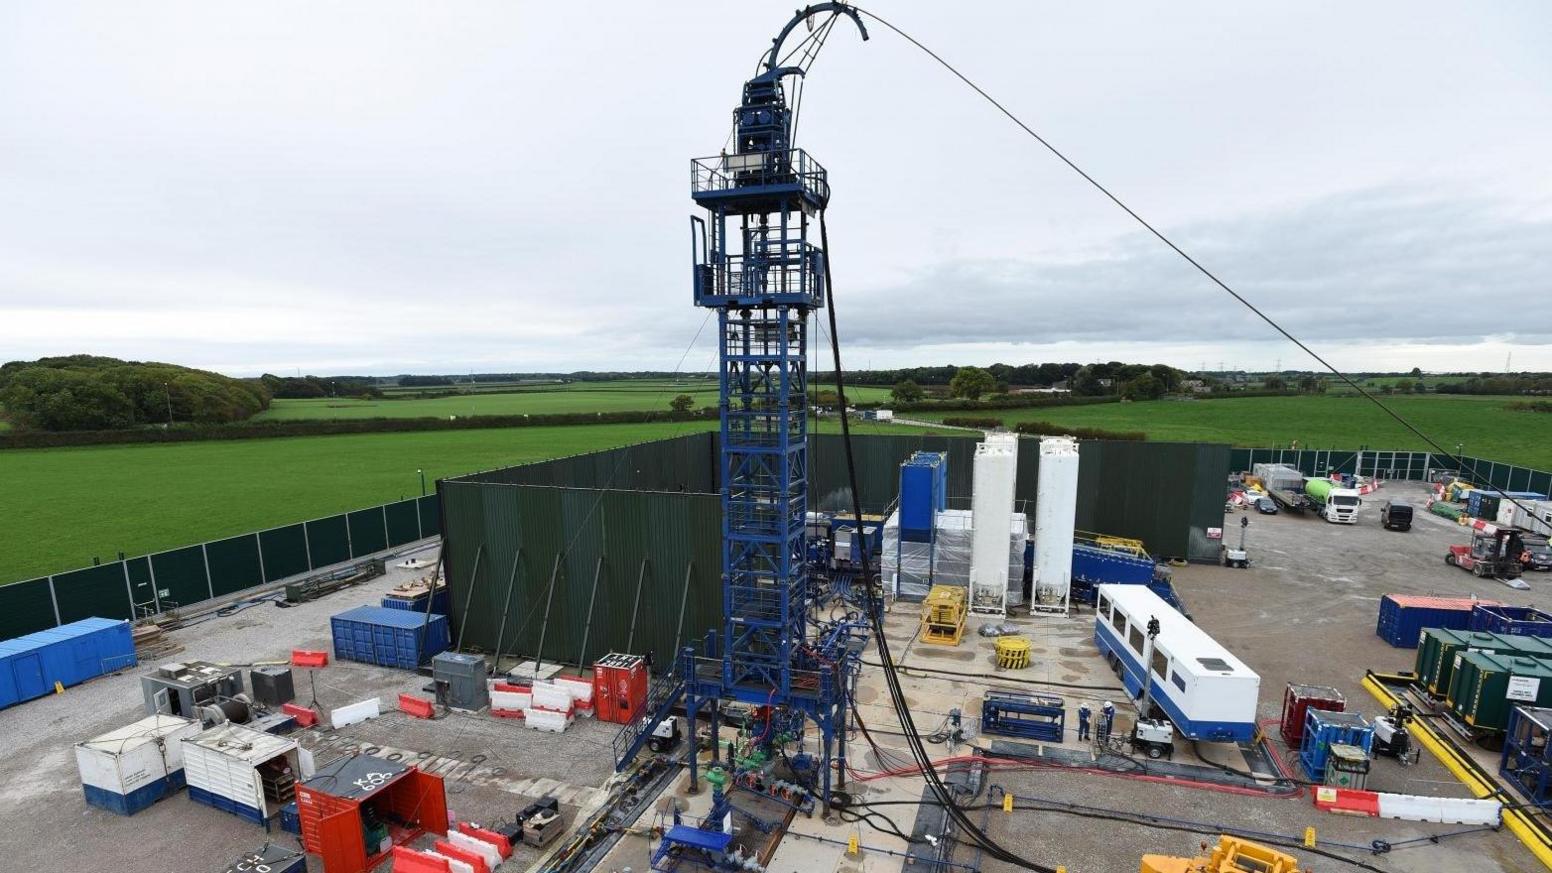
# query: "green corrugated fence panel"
[367,534]
[284,550]
[403,523]
[180,576]
[25,607]
[234,564]
[430,515]
[142,593]
[328,541]
[94,591]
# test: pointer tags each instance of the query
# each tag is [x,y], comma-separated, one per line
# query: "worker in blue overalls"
[1083,722]
[1107,719]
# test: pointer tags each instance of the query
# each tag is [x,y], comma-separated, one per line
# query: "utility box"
[183,689]
[1347,767]
[620,688]
[460,681]
[272,686]
[357,808]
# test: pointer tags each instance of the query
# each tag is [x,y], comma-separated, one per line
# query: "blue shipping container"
[1403,617]
[441,603]
[1525,621]
[69,654]
[388,637]
[923,494]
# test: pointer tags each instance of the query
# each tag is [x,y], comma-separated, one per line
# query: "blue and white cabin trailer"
[1207,692]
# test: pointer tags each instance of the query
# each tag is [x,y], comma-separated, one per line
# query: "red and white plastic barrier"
[411,861]
[489,838]
[475,860]
[1409,807]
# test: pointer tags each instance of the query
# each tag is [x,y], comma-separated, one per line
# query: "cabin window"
[1160,663]
[1179,680]
[1136,639]
[1104,607]
[1120,624]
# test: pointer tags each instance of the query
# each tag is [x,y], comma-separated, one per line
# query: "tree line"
[88,392]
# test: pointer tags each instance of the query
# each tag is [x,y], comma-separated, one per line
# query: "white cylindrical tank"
[1056,508]
[996,468]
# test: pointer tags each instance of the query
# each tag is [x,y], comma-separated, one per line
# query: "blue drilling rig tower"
[756,263]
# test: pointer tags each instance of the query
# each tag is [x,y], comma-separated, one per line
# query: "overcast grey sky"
[384,187]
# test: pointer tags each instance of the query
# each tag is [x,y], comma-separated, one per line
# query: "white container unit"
[996,468]
[1056,509]
[129,769]
[239,770]
[1205,690]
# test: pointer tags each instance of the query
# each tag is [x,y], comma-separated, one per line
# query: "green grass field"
[62,507]
[646,395]
[1483,426]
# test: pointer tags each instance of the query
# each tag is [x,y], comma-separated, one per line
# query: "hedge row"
[974,422]
[258,430]
[1010,401]
[1045,428]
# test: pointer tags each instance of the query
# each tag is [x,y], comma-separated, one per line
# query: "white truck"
[1334,503]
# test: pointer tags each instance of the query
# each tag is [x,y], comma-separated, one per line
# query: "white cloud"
[382,187]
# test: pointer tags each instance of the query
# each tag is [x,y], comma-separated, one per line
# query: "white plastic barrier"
[355,713]
[581,690]
[551,697]
[476,845]
[453,864]
[545,719]
[1444,810]
[510,700]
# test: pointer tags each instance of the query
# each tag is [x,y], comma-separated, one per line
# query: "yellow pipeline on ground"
[1517,821]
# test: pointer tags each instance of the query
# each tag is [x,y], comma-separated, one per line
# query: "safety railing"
[757,169]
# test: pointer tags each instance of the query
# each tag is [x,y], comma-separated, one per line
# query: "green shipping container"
[1438,647]
[1486,687]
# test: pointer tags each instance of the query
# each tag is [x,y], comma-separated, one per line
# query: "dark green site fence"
[1417,466]
[150,584]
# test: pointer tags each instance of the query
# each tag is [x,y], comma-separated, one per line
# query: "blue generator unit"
[1324,729]
[68,655]
[923,494]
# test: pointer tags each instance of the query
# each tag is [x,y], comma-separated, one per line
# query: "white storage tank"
[245,772]
[996,470]
[1056,509]
[128,769]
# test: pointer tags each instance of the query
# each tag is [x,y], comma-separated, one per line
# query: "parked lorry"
[1334,503]
[1284,484]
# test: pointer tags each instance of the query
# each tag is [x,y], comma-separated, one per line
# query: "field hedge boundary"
[1045,428]
[1008,402]
[24,439]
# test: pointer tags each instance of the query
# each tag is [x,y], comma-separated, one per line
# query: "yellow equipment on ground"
[1113,543]
[1012,653]
[943,615]
[1231,855]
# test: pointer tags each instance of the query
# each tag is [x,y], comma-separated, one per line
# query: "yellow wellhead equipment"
[943,615]
[1012,653]
[1231,855]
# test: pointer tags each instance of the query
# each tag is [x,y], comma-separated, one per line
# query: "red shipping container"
[620,688]
[330,808]
[1297,699]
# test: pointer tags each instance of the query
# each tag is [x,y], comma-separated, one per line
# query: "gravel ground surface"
[1305,611]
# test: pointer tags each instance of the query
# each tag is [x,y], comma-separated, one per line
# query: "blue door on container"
[28,670]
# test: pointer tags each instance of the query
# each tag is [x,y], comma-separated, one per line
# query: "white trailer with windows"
[1207,692]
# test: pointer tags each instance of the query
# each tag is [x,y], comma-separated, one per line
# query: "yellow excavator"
[1231,855]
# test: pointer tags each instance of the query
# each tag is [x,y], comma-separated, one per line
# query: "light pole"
[422,482]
